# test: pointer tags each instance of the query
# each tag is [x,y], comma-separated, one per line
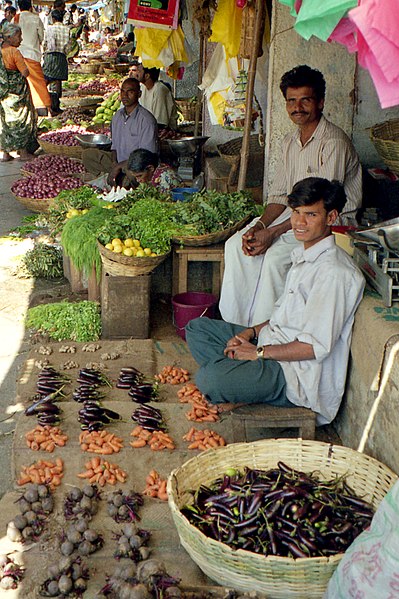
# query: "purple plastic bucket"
[192,304]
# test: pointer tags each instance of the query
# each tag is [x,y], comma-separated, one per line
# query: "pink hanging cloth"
[377,22]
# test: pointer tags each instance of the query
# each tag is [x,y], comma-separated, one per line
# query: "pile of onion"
[45,185]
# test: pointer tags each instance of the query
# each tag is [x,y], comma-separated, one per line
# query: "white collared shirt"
[322,292]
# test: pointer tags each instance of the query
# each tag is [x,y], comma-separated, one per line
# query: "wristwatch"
[259,351]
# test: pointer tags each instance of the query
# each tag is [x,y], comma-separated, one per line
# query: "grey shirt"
[135,131]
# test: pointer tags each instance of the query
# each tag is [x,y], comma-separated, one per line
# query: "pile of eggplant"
[93,417]
[281,512]
[92,376]
[138,389]
[149,418]
[49,388]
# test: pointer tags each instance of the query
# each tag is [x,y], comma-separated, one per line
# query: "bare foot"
[228,407]
[5,157]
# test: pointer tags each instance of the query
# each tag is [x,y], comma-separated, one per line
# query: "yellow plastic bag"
[160,47]
[151,41]
[226,26]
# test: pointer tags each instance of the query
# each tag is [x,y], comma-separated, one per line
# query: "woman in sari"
[18,118]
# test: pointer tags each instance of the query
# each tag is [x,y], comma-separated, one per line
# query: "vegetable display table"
[183,255]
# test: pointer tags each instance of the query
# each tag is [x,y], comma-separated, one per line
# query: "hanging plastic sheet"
[345,34]
[226,26]
[378,46]
[217,83]
[160,47]
[321,18]
[294,5]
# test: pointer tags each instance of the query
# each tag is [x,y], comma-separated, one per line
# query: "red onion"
[45,185]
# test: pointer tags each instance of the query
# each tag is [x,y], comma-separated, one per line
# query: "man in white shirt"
[257,258]
[157,97]
[299,356]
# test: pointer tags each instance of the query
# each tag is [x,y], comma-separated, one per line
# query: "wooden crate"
[79,283]
[125,306]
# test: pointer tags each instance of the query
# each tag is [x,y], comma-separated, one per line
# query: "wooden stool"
[209,253]
[264,416]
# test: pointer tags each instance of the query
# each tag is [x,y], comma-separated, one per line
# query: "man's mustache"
[298,112]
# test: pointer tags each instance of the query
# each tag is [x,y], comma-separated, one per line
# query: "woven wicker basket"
[125,266]
[90,68]
[71,151]
[277,577]
[385,138]
[211,238]
[231,150]
[35,204]
[81,101]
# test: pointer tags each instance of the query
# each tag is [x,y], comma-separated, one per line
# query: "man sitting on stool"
[299,357]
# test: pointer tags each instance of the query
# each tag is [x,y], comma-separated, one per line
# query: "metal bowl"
[95,140]
[186,146]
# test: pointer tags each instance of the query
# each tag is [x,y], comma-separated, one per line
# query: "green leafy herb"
[66,321]
[44,261]
[79,239]
[210,211]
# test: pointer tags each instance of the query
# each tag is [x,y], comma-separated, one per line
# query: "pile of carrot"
[203,439]
[100,442]
[45,438]
[155,486]
[201,409]
[156,440]
[43,472]
[102,472]
[173,375]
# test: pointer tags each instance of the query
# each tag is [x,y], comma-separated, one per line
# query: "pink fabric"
[297,5]
[345,34]
[377,22]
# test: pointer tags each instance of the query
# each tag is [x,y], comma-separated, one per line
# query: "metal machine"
[377,255]
[188,151]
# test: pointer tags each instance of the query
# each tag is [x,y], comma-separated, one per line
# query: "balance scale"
[376,252]
[188,151]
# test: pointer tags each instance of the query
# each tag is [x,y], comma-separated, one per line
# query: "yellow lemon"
[85,211]
[109,246]
[153,254]
[140,253]
[136,243]
[116,241]
[134,250]
[110,206]
[74,212]
[128,243]
[147,251]
[128,252]
[118,249]
[68,215]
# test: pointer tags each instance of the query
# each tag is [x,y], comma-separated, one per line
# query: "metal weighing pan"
[385,233]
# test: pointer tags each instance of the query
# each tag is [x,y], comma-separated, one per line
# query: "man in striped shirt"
[258,257]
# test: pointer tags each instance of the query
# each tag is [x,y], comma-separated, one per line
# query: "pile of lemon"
[75,212]
[129,247]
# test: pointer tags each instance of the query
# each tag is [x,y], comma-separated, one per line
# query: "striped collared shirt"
[56,37]
[329,153]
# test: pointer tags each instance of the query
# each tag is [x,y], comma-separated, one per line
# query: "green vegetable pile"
[44,261]
[147,219]
[81,198]
[210,211]
[79,239]
[66,321]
